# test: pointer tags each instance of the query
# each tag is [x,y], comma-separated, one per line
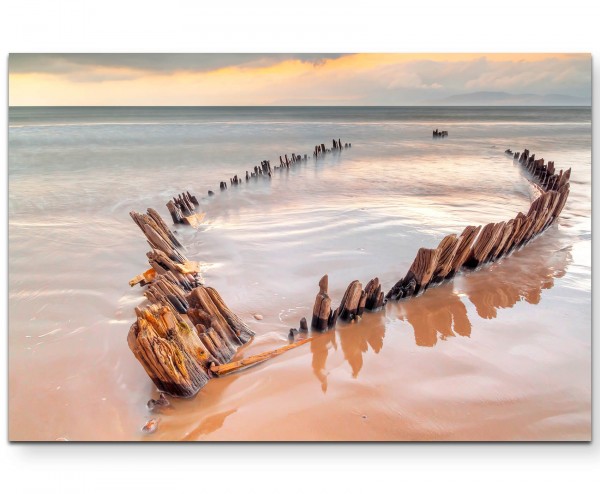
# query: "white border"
[302,26]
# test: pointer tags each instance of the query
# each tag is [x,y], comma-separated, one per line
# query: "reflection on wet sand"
[355,339]
[320,349]
[443,312]
[440,313]
[509,282]
[208,425]
[501,285]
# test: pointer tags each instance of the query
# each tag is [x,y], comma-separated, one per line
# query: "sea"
[502,353]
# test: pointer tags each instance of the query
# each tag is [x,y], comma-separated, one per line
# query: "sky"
[298,79]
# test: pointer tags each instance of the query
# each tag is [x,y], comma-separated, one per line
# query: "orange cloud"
[384,78]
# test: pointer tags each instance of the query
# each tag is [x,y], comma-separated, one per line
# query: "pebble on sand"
[258,317]
[150,426]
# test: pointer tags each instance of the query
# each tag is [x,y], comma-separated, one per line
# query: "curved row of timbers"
[187,334]
[183,207]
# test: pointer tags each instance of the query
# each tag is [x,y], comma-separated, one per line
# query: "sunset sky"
[298,79]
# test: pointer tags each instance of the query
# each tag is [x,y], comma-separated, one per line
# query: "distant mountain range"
[497,98]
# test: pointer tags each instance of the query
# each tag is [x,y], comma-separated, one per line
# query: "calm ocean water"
[503,353]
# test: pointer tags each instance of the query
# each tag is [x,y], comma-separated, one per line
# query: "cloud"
[78,65]
[500,98]
[549,75]
[270,79]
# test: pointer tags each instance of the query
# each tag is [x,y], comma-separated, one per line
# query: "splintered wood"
[223,369]
[165,258]
[178,347]
[188,327]
[354,302]
[170,351]
[182,209]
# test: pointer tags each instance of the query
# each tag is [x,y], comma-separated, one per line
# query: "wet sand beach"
[502,353]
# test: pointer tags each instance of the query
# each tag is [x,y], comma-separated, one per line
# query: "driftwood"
[223,369]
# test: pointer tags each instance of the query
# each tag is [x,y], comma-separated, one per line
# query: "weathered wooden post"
[351,300]
[322,307]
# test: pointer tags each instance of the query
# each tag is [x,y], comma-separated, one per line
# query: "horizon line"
[303,106]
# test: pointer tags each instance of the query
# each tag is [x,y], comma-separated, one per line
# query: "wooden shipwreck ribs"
[479,245]
[264,170]
[187,334]
[187,327]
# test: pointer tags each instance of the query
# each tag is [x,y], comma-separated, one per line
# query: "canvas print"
[299,247]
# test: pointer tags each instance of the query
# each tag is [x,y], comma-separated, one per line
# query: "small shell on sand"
[258,317]
[150,426]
